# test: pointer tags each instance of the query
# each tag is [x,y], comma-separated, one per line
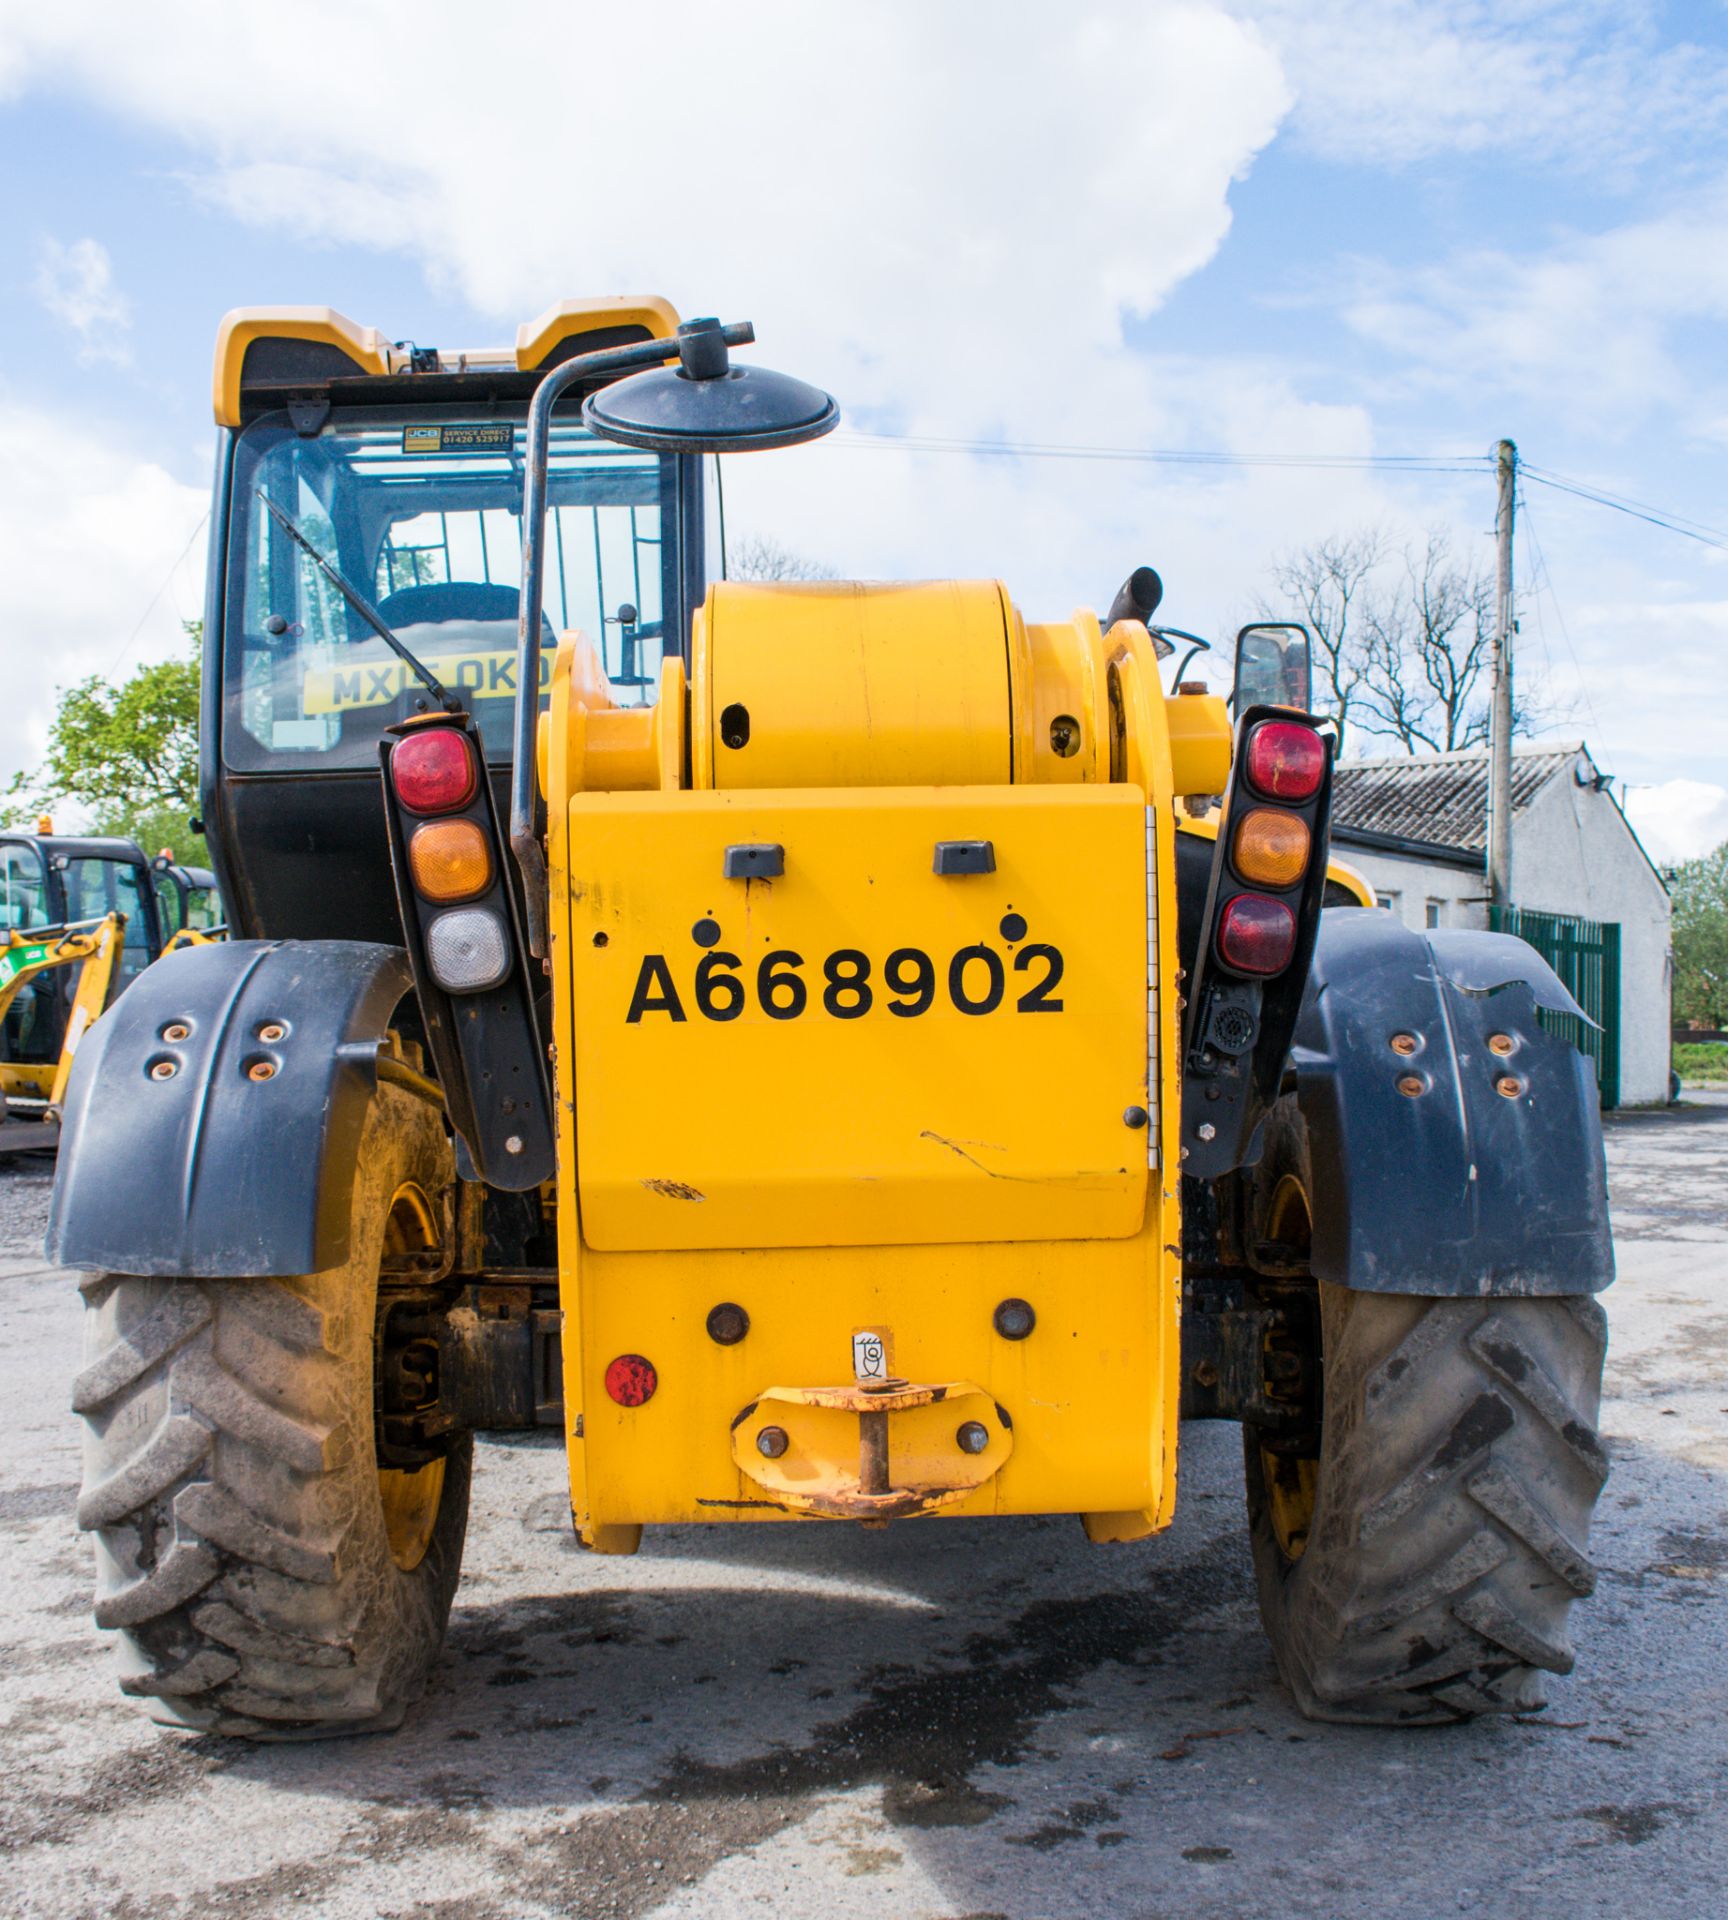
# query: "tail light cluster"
[1268,879]
[436,773]
[1270,845]
[460,923]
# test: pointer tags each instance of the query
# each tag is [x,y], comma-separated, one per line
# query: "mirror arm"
[524,823]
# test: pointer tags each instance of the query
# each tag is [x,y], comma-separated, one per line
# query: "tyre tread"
[229,1476]
[1459,1466]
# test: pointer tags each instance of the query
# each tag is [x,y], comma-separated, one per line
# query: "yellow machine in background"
[38,1088]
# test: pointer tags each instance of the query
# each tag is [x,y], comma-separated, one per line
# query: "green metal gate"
[1586,956]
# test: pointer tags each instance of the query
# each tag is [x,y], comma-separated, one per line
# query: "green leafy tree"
[126,755]
[1700,892]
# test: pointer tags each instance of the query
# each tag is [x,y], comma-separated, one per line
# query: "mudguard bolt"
[1404,1043]
[1508,1086]
[163,1070]
[272,1031]
[771,1442]
[1501,1043]
[1410,1085]
[973,1436]
[261,1070]
[176,1031]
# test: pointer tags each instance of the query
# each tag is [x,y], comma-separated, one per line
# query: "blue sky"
[1258,228]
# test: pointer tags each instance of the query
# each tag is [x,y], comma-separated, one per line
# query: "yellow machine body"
[865,1022]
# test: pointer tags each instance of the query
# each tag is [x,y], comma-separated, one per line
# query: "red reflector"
[630,1380]
[1285,761]
[1256,935]
[433,771]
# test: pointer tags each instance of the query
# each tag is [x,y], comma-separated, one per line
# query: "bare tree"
[1430,648]
[759,556]
[1403,642]
[1330,586]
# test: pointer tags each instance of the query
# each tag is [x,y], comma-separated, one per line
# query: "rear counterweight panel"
[840,1045]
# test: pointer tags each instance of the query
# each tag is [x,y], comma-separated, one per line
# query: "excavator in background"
[81,917]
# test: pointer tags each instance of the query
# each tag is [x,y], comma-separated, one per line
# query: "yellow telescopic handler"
[813,1045]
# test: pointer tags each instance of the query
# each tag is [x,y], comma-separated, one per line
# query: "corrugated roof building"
[1416,828]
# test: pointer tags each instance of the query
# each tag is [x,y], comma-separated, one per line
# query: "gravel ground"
[948,1720]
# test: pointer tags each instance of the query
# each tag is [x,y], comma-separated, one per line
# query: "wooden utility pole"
[1500,712]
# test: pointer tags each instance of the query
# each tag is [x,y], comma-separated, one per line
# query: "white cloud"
[1592,317]
[92,535]
[1679,819]
[1586,83]
[76,284]
[945,214]
[938,208]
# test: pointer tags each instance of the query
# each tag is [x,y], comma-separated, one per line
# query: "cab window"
[203,908]
[167,903]
[95,887]
[23,890]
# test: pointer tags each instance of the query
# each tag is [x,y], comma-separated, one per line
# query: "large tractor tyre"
[1418,1556]
[266,1577]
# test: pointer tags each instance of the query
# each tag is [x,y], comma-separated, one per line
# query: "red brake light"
[433,771]
[1286,761]
[1256,935]
[631,1380]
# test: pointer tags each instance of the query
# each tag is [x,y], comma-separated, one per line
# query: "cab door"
[31,1031]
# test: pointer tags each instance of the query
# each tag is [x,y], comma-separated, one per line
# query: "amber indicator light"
[1270,848]
[450,860]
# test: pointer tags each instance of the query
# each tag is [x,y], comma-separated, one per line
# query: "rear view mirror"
[1272,667]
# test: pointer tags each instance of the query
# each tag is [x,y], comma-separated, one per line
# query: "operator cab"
[403,469]
[187,898]
[57,880]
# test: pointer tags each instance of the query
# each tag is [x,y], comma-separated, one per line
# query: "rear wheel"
[266,1577]
[1418,1557]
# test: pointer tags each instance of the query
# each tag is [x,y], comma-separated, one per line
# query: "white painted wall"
[1573,853]
[1407,885]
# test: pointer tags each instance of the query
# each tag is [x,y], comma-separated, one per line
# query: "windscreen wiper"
[362,606]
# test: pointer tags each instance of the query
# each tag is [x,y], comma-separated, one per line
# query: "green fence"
[1586,956]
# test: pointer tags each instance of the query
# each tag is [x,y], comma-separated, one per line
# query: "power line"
[1636,509]
[167,580]
[1161,456]
[1467,463]
[1598,730]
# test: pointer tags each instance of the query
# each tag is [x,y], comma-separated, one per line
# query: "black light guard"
[1239,1028]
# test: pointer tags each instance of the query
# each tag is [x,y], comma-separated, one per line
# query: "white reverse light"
[468,950]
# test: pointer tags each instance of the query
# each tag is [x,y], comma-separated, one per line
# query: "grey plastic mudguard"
[1459,1189]
[207,1171]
